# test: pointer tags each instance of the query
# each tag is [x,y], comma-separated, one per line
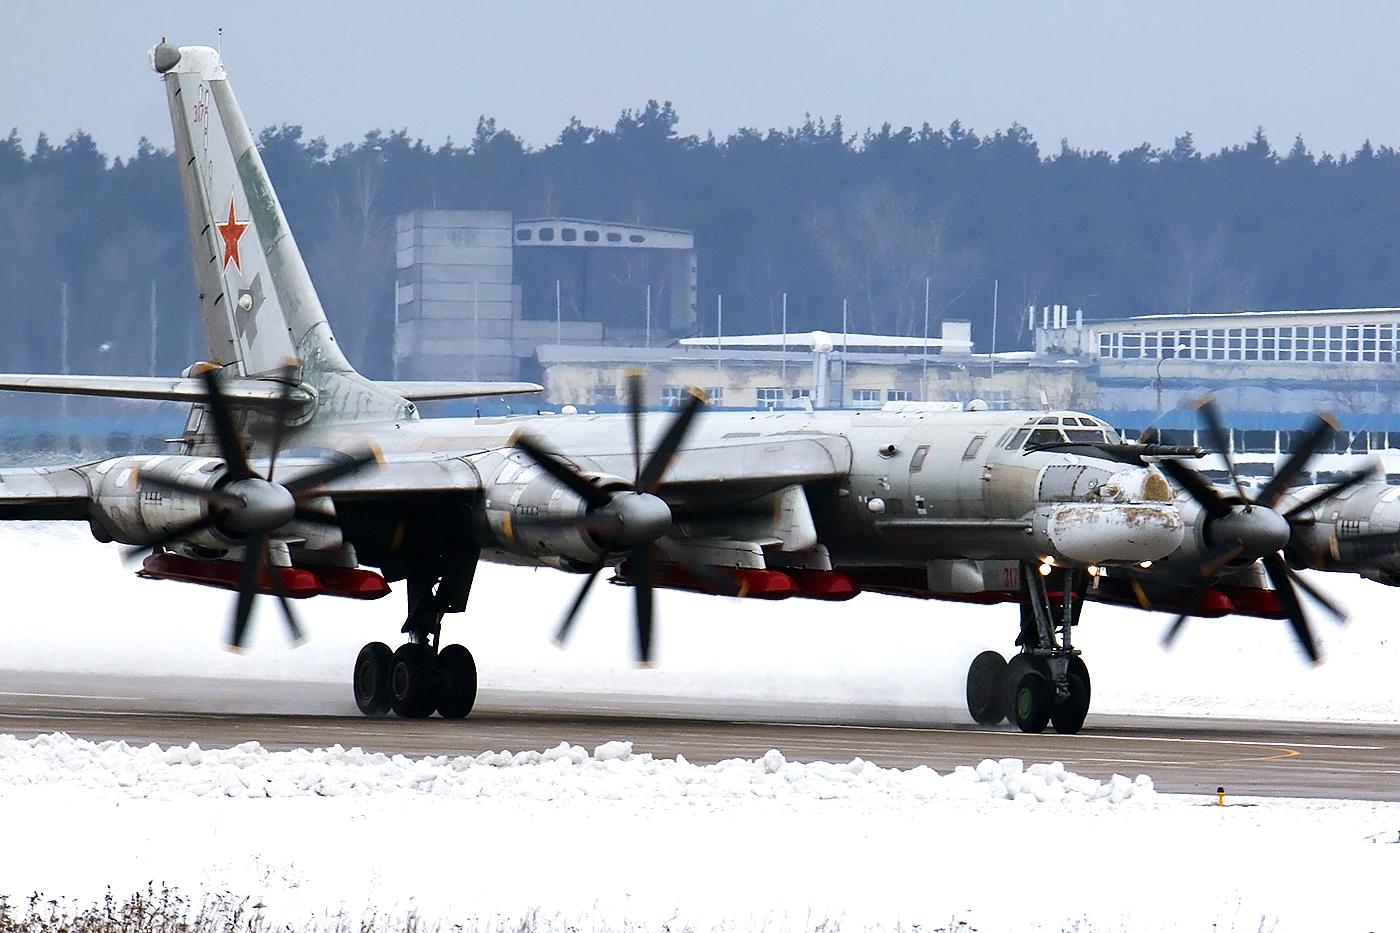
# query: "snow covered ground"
[603,839]
[72,606]
[583,841]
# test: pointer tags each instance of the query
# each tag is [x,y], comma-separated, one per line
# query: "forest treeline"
[815,211]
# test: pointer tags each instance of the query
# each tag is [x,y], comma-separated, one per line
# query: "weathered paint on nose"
[1106,533]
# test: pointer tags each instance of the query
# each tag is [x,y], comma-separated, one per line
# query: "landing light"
[1094,570]
[1145,564]
[1045,569]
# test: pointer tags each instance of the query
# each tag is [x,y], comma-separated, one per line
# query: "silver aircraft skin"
[1026,507]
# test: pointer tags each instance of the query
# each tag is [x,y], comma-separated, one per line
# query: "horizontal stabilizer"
[436,391]
[155,388]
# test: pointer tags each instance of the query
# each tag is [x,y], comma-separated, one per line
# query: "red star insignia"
[231,231]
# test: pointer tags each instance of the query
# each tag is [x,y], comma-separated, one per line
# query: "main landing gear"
[1047,683]
[420,676]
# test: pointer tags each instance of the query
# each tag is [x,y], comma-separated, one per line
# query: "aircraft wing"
[43,494]
[433,391]
[154,388]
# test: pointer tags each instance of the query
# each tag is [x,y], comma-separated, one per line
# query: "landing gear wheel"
[1077,668]
[455,682]
[1068,715]
[411,681]
[1019,666]
[372,679]
[1034,701]
[984,688]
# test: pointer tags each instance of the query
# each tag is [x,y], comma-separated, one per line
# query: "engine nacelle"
[125,512]
[1367,509]
[528,512]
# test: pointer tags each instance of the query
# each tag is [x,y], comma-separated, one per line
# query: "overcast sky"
[1103,75]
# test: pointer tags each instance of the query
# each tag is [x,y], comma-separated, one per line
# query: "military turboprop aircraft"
[296,475]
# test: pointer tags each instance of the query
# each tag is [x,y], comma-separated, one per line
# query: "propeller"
[632,522]
[1240,529]
[250,507]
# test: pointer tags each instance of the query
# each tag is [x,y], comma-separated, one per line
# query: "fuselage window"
[916,462]
[973,447]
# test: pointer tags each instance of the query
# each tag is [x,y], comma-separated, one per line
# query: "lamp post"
[1176,351]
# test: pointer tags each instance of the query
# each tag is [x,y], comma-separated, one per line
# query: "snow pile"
[563,773]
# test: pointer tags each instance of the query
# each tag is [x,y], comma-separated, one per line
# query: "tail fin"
[256,297]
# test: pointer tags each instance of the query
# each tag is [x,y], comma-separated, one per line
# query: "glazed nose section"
[1260,531]
[640,519]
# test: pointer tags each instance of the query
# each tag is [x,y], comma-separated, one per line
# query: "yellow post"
[1220,796]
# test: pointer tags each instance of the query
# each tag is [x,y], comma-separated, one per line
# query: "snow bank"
[563,773]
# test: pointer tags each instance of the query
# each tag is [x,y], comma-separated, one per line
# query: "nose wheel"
[1047,683]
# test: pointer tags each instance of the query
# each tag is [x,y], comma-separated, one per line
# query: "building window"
[865,395]
[614,238]
[800,394]
[1106,345]
[590,236]
[716,394]
[769,397]
[899,395]
[568,234]
[999,400]
[637,238]
[672,396]
[546,234]
[522,235]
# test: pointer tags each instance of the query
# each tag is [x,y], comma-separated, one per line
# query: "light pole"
[1176,351]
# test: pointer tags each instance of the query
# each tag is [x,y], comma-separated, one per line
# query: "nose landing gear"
[1048,682]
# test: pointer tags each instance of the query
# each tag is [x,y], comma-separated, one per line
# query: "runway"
[1187,756]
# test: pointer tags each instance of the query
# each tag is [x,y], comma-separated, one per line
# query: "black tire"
[1077,668]
[985,694]
[371,680]
[411,681]
[1068,715]
[455,682]
[1016,668]
[1035,700]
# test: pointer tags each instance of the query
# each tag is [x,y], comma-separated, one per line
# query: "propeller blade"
[671,441]
[562,473]
[247,590]
[1174,630]
[281,414]
[178,533]
[1210,412]
[567,622]
[634,409]
[1319,597]
[1354,479]
[293,625]
[212,496]
[1278,484]
[641,570]
[304,484]
[1197,487]
[1211,565]
[1282,579]
[230,440]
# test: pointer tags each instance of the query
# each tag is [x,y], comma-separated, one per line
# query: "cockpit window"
[1018,439]
[1085,435]
[1042,436]
[1051,419]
